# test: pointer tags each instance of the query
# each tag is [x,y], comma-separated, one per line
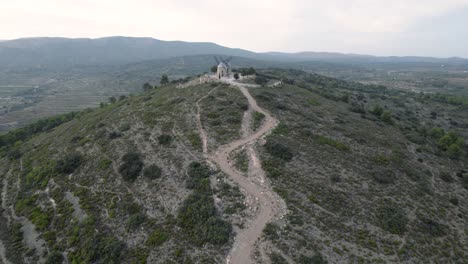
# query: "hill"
[367,175]
[63,52]
[57,53]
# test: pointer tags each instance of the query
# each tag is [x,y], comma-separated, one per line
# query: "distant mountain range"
[65,52]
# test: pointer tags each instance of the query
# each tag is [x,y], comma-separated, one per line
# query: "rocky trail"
[269,206]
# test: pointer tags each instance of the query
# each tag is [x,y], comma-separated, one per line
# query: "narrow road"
[269,205]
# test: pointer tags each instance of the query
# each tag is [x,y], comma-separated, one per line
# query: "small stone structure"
[223,70]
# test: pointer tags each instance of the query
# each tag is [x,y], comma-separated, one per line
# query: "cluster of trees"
[279,150]
[444,98]
[449,142]
[261,80]
[198,215]
[392,218]
[131,167]
[247,71]
[69,163]
[11,141]
[384,115]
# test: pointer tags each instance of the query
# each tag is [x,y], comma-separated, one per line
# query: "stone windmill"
[224,67]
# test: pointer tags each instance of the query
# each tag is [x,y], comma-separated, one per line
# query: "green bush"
[197,215]
[279,150]
[271,231]
[276,258]
[392,218]
[54,257]
[152,172]
[260,80]
[131,167]
[377,110]
[157,238]
[384,176]
[198,177]
[386,117]
[104,164]
[165,139]
[135,221]
[446,177]
[433,228]
[69,163]
[437,133]
[315,259]
[331,142]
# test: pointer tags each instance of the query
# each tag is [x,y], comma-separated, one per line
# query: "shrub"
[197,216]
[247,71]
[279,150]
[392,218]
[260,80]
[165,139]
[54,257]
[152,172]
[386,117]
[131,167]
[157,238]
[455,151]
[377,110]
[446,177]
[271,231]
[432,227]
[135,221]
[384,177]
[315,259]
[164,79]
[114,135]
[313,101]
[104,164]
[437,133]
[454,201]
[276,258]
[199,177]
[331,142]
[69,163]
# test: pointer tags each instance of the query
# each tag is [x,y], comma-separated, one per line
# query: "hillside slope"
[367,174]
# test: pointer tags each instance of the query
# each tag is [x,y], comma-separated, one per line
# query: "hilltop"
[367,174]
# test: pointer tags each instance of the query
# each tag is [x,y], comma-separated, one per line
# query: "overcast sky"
[380,27]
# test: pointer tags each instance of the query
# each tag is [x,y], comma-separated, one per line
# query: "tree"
[214,69]
[164,79]
[152,172]
[147,87]
[69,163]
[377,110]
[112,99]
[386,117]
[455,151]
[260,80]
[131,166]
[236,76]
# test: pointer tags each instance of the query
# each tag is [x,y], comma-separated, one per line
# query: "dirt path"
[202,131]
[269,205]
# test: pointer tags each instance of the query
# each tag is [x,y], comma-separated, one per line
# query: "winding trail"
[268,204]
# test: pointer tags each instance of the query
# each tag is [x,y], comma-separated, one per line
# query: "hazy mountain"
[53,52]
[65,52]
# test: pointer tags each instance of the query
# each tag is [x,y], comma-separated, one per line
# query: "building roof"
[222,65]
